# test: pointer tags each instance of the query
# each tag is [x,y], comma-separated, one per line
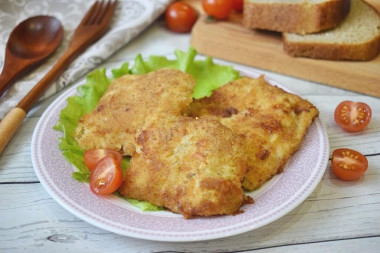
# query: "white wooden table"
[337,217]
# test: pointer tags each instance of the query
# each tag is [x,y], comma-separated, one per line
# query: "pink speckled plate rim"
[277,198]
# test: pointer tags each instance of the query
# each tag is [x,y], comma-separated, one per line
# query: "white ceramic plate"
[278,197]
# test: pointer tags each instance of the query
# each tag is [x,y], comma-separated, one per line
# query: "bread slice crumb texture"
[357,38]
[362,24]
[294,16]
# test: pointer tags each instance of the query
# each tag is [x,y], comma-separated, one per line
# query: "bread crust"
[301,18]
[336,52]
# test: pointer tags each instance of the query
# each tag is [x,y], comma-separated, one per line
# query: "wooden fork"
[94,24]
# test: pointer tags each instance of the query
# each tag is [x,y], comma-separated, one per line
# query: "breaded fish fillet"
[190,166]
[128,102]
[272,122]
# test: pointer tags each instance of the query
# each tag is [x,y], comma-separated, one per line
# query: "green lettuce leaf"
[208,76]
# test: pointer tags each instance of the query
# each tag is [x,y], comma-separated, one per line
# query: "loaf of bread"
[294,16]
[356,38]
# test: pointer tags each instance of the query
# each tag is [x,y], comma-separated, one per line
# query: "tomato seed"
[100,183]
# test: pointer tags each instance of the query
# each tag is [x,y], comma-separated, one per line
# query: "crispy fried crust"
[303,17]
[127,103]
[271,121]
[190,166]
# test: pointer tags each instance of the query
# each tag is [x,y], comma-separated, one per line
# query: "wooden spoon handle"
[10,72]
[12,121]
[63,62]
[5,80]
[14,68]
[33,95]
[9,125]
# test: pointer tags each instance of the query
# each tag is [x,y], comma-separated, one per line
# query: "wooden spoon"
[30,42]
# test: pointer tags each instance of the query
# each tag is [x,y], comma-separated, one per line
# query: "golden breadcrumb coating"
[272,122]
[190,166]
[128,102]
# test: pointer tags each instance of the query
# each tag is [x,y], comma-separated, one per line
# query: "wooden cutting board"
[229,40]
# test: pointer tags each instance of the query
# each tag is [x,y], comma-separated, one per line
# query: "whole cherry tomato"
[107,176]
[93,156]
[237,5]
[352,116]
[348,164]
[219,9]
[180,17]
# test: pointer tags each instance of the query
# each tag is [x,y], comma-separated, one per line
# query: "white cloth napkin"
[131,17]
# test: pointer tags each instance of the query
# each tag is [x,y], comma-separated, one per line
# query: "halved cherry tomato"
[107,176]
[352,116]
[237,5]
[180,17]
[93,156]
[348,164]
[219,9]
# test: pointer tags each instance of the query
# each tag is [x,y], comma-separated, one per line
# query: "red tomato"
[348,164]
[93,156]
[219,9]
[237,5]
[352,116]
[107,176]
[180,17]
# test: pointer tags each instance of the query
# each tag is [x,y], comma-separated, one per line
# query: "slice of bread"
[295,16]
[356,38]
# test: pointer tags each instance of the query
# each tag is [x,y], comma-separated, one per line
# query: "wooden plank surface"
[229,40]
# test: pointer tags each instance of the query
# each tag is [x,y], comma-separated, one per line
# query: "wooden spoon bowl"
[29,43]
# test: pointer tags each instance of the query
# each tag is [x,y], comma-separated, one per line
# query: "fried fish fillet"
[272,122]
[127,103]
[190,166]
